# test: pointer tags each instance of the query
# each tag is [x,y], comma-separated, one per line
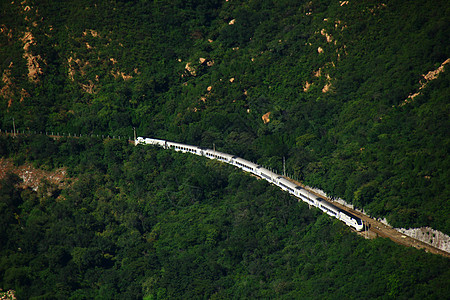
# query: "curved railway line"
[375,229]
[372,227]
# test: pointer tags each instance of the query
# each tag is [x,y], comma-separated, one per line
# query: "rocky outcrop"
[266,117]
[34,68]
[306,86]
[431,75]
[190,69]
[429,236]
[32,177]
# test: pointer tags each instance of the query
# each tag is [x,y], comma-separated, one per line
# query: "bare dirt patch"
[34,69]
[431,75]
[33,177]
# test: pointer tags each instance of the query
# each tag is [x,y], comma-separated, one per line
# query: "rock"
[266,117]
[190,69]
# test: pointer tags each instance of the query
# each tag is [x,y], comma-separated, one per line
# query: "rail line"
[372,227]
[375,229]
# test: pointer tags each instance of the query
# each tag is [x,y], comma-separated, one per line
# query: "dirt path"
[379,229]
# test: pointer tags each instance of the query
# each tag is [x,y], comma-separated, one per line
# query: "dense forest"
[334,77]
[341,83]
[353,94]
[140,222]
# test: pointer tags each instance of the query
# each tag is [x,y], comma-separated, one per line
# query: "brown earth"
[31,176]
[266,117]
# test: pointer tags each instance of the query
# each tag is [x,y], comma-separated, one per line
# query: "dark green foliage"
[356,141]
[147,223]
[142,222]
[360,141]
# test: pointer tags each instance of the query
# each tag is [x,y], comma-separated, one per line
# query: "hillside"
[140,222]
[354,95]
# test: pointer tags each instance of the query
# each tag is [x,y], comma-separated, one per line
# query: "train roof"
[218,153]
[245,162]
[287,182]
[267,172]
[327,204]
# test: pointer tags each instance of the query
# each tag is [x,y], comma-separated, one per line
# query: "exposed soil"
[266,117]
[31,176]
[431,75]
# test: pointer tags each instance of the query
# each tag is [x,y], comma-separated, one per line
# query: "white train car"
[147,141]
[286,185]
[220,156]
[327,207]
[245,165]
[139,141]
[308,197]
[266,174]
[351,220]
[182,148]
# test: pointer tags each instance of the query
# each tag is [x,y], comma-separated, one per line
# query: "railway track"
[375,229]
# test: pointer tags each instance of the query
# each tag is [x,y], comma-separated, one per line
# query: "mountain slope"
[337,78]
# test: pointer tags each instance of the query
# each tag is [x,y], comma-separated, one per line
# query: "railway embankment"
[417,237]
[425,238]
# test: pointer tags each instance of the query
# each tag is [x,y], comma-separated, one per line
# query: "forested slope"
[341,83]
[354,95]
[140,222]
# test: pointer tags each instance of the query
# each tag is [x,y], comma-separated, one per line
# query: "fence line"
[60,135]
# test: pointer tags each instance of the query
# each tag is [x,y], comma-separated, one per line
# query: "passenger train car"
[280,181]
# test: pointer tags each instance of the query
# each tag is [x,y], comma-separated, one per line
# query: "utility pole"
[368,225]
[134,130]
[284,166]
[14,128]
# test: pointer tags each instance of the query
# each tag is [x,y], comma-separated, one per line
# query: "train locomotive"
[280,181]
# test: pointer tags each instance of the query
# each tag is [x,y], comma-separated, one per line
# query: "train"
[273,178]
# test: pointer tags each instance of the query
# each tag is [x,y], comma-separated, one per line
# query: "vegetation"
[350,110]
[205,72]
[139,222]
